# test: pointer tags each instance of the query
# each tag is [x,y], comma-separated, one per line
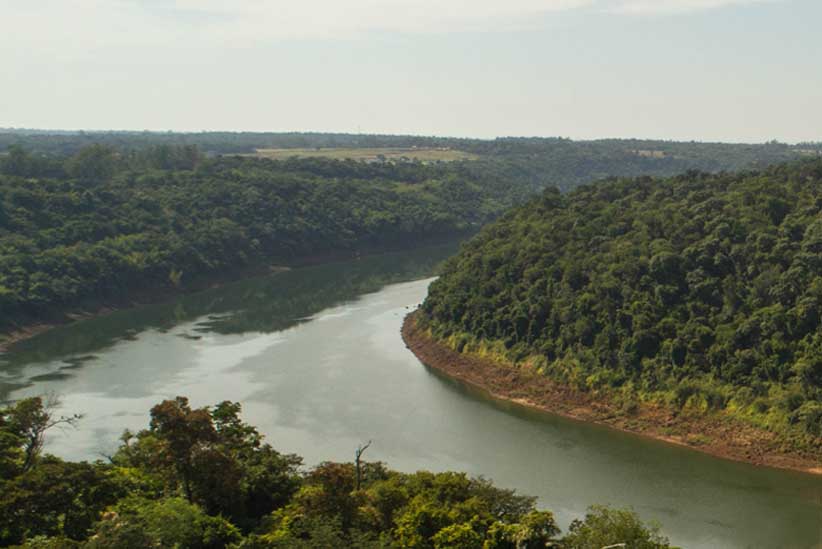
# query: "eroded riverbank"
[715,435]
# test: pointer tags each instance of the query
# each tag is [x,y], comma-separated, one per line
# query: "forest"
[202,478]
[701,293]
[97,218]
[105,224]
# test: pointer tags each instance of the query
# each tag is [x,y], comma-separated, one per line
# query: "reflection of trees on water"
[262,304]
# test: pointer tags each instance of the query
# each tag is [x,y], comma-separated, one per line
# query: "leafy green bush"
[170,522]
[603,527]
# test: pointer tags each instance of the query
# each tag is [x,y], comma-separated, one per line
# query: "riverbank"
[139,298]
[715,434]
[30,327]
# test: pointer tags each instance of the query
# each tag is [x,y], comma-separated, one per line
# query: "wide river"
[315,357]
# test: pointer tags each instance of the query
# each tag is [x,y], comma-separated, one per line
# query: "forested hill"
[102,224]
[700,292]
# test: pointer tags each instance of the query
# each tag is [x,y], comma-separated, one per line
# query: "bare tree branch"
[357,462]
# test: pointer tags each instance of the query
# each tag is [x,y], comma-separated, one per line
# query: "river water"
[315,357]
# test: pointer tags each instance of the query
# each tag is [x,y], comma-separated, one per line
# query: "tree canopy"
[107,224]
[701,292]
[90,218]
[202,478]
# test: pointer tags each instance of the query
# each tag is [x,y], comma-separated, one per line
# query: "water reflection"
[262,304]
[315,358]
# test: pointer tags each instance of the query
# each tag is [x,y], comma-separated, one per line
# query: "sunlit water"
[316,359]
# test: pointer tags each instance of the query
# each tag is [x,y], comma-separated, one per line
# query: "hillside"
[105,224]
[700,294]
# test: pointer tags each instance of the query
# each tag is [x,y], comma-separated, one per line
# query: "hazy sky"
[734,70]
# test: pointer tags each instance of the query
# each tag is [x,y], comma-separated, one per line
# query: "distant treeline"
[66,143]
[566,164]
[103,223]
[543,162]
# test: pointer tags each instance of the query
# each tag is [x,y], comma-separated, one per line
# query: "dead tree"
[357,462]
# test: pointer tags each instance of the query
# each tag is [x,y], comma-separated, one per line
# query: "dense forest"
[201,478]
[700,292]
[104,224]
[87,218]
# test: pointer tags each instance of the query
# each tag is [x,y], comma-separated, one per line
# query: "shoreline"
[143,298]
[150,296]
[714,435]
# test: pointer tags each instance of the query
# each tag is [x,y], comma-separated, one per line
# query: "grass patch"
[383,154]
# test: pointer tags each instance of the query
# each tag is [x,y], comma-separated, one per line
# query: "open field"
[393,154]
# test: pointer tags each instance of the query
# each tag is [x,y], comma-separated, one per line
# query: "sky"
[707,70]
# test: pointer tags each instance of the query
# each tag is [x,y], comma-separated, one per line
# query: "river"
[315,357]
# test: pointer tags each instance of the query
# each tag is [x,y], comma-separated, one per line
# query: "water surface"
[316,359]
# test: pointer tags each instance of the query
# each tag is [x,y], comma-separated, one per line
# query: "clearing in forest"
[375,154]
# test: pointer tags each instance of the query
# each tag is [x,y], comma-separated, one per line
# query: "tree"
[239,484]
[94,163]
[172,522]
[26,423]
[220,462]
[457,536]
[183,432]
[604,526]
[18,161]
[329,491]
[56,498]
[357,455]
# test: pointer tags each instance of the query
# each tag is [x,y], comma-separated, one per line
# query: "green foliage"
[22,432]
[105,224]
[92,164]
[457,536]
[54,498]
[424,510]
[604,526]
[535,530]
[92,218]
[23,425]
[703,291]
[171,522]
[214,459]
[204,479]
[45,542]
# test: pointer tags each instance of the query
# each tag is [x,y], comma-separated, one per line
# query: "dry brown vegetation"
[382,154]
